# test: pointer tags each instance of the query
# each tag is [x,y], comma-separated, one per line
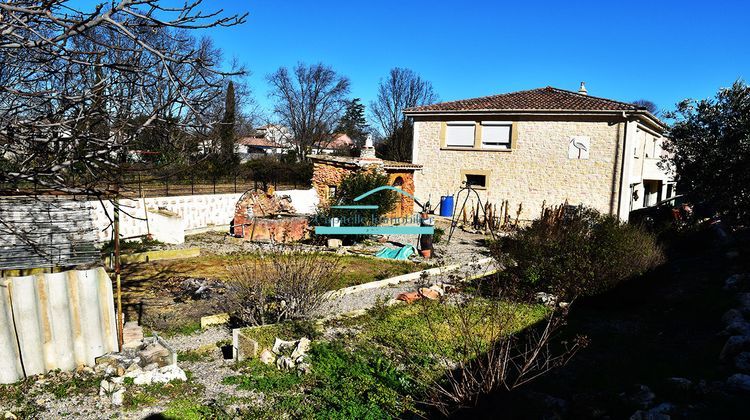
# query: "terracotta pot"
[426,253]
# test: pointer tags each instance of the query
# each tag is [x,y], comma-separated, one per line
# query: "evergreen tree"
[226,130]
[354,123]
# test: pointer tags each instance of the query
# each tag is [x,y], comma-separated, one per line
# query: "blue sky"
[661,51]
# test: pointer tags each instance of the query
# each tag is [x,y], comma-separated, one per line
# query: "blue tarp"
[402,253]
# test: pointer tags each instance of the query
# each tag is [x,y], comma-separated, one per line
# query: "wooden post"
[116,229]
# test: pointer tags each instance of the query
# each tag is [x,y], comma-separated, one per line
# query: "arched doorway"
[398,182]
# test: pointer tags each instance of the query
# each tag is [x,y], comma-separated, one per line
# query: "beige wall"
[536,170]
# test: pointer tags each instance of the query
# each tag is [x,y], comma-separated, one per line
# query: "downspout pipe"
[622,164]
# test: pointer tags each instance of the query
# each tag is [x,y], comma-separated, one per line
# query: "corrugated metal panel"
[55,321]
[46,231]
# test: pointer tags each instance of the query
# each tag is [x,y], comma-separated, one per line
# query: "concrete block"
[219,319]
[244,346]
[335,243]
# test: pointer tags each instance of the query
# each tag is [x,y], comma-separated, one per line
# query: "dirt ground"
[663,325]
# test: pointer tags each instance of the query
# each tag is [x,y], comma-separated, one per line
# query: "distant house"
[542,146]
[255,147]
[340,143]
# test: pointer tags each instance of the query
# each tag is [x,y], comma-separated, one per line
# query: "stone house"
[542,146]
[329,171]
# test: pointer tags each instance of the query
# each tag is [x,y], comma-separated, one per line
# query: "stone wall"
[538,170]
[325,175]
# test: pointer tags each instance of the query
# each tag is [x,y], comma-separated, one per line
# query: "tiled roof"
[257,142]
[547,98]
[353,161]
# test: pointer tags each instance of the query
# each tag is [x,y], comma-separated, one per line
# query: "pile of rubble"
[286,355]
[434,292]
[146,360]
[736,351]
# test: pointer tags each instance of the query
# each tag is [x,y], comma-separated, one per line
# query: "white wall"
[189,212]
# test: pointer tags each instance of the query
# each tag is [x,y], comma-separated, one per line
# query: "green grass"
[255,375]
[426,327]
[343,384]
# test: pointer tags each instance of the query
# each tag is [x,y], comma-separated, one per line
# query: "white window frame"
[471,124]
[506,145]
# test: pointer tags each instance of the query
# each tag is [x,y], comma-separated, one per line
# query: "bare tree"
[402,89]
[647,105]
[310,101]
[78,86]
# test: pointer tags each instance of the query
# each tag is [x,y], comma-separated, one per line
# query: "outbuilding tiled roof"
[541,99]
[256,142]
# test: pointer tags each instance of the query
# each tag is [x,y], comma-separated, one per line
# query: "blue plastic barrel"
[446,206]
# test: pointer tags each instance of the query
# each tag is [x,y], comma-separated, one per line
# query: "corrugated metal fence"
[54,321]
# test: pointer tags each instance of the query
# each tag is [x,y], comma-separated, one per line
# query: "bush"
[279,286]
[359,183]
[574,252]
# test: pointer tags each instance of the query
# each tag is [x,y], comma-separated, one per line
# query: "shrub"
[573,252]
[359,183]
[279,286]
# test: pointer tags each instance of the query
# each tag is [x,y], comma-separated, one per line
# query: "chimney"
[368,152]
[582,90]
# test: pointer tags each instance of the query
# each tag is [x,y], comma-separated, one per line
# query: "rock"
[304,368]
[283,347]
[168,374]
[439,289]
[409,297]
[735,345]
[546,298]
[132,335]
[151,366]
[744,299]
[267,357]
[429,293]
[143,377]
[738,328]
[85,370]
[742,362]
[132,368]
[154,353]
[118,397]
[303,346]
[739,382]
[335,243]
[732,316]
[641,397]
[108,360]
[285,363]
[679,384]
[9,416]
[660,412]
[112,391]
[733,281]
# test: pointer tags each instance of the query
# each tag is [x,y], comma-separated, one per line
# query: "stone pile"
[146,361]
[286,355]
[736,351]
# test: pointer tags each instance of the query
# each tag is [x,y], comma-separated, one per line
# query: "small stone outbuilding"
[329,171]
